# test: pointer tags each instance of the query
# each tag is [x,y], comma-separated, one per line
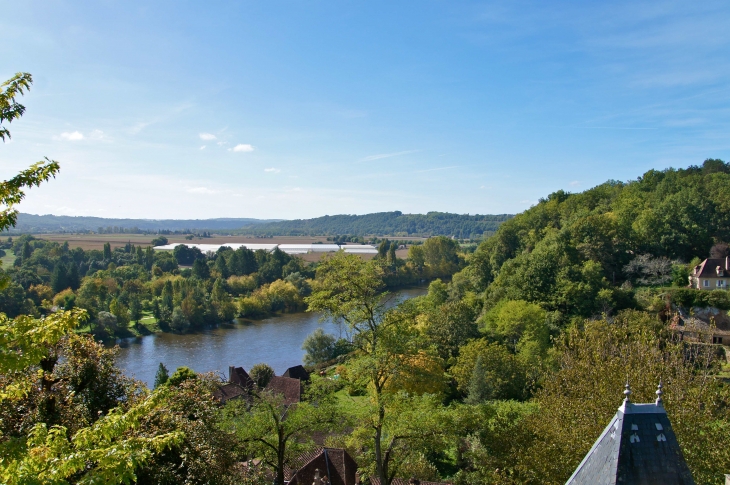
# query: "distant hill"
[50,224]
[394,224]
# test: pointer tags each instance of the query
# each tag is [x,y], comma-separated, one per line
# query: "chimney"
[231,371]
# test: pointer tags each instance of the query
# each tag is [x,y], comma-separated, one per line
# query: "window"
[721,283]
[706,283]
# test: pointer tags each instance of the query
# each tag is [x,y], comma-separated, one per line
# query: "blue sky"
[270,109]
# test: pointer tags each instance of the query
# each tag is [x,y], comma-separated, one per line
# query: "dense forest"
[505,373]
[136,290]
[395,224]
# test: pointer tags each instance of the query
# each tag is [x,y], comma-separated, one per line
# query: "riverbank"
[276,340]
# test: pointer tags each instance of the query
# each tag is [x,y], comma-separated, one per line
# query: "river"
[276,341]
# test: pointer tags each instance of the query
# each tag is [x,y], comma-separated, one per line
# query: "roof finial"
[659,393]
[627,392]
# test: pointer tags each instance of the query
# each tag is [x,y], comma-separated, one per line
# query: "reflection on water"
[276,340]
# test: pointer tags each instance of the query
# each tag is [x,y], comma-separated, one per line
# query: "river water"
[276,341]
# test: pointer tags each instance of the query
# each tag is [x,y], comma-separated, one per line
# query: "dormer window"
[720,271]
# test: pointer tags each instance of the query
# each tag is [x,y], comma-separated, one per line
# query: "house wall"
[712,283]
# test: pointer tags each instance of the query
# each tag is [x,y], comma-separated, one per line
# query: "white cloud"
[203,147]
[207,136]
[201,190]
[574,183]
[97,135]
[71,136]
[242,147]
[272,170]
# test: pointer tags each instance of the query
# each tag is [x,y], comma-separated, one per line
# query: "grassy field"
[8,259]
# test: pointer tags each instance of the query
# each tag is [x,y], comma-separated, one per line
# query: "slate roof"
[333,463]
[638,447]
[708,268]
[297,372]
[290,388]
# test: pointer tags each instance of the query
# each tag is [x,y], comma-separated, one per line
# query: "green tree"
[12,191]
[135,309]
[100,452]
[221,267]
[161,376]
[59,280]
[200,269]
[417,257]
[480,389]
[178,321]
[277,433]
[107,251]
[391,356]
[318,347]
[181,374]
[595,360]
[522,326]
[261,374]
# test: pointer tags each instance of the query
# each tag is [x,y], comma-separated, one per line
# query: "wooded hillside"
[397,224]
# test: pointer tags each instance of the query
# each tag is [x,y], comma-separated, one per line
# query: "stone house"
[711,274]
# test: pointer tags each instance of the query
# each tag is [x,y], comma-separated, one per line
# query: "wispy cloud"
[386,155]
[575,183]
[272,170]
[242,147]
[201,190]
[96,135]
[435,169]
[202,147]
[207,136]
[70,136]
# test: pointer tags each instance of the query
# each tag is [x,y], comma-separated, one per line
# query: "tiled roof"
[297,372]
[333,463]
[237,375]
[229,391]
[637,447]
[290,388]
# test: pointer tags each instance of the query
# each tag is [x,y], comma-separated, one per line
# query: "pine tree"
[480,389]
[162,375]
[107,251]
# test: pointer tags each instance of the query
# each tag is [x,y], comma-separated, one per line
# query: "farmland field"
[96,241]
